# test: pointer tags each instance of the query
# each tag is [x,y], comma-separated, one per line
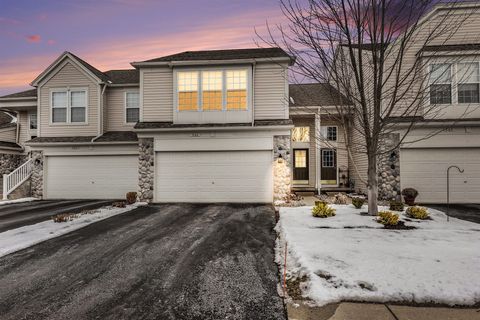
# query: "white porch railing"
[15,178]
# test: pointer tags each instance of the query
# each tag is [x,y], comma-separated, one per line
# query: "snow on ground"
[351,257]
[17,201]
[24,237]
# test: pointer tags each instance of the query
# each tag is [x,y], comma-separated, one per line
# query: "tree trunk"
[372,185]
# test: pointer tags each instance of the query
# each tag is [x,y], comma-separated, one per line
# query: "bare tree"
[378,54]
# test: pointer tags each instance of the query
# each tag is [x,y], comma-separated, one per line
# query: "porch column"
[318,143]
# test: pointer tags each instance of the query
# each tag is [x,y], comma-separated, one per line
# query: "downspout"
[253,93]
[100,113]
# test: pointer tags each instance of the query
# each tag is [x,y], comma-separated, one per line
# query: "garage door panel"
[91,177]
[425,170]
[233,176]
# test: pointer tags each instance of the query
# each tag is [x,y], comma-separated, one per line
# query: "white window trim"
[457,82]
[125,107]
[224,88]
[68,122]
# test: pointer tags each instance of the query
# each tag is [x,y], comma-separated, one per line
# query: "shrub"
[410,192]
[322,210]
[341,198]
[358,202]
[388,218]
[131,197]
[119,204]
[396,206]
[64,217]
[418,213]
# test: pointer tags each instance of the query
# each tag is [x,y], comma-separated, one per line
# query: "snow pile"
[24,237]
[17,201]
[351,257]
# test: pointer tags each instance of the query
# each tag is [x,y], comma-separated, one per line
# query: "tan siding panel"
[69,76]
[116,109]
[157,94]
[24,127]
[8,135]
[271,92]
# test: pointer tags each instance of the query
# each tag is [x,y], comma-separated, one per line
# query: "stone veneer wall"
[145,169]
[389,170]
[10,162]
[282,178]
[37,174]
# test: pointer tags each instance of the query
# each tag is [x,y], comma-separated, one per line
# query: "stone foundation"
[145,169]
[37,174]
[282,178]
[10,162]
[388,168]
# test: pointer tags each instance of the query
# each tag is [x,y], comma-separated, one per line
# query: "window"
[301,134]
[468,83]
[300,158]
[212,90]
[132,107]
[328,158]
[440,84]
[187,91]
[69,106]
[237,90]
[331,133]
[33,120]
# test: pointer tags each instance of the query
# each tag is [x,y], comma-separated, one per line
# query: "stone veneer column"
[145,169]
[281,173]
[388,166]
[37,174]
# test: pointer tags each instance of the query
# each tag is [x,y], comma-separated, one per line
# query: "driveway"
[175,261]
[26,213]
[469,212]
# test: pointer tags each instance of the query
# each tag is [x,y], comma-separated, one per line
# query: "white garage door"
[425,170]
[91,177]
[227,176]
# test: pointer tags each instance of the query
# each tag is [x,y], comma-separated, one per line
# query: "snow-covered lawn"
[24,237]
[351,257]
[3,202]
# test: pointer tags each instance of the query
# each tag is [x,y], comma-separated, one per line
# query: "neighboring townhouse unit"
[201,126]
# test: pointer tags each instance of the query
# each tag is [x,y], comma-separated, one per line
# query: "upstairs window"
[440,84]
[331,133]
[301,134]
[212,90]
[237,90]
[69,106]
[132,107]
[33,120]
[468,82]
[188,91]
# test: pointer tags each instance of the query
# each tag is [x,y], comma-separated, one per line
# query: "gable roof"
[230,54]
[31,93]
[126,76]
[92,69]
[315,94]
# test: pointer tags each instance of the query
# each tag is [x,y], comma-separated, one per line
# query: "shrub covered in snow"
[396,206]
[341,198]
[358,202]
[418,213]
[64,217]
[388,218]
[323,210]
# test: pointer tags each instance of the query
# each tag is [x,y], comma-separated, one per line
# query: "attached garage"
[426,170]
[214,176]
[90,176]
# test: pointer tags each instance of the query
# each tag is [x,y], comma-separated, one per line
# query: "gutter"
[100,114]
[208,62]
[239,128]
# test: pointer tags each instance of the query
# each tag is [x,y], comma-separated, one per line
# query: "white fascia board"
[208,62]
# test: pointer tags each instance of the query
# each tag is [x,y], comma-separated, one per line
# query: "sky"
[109,34]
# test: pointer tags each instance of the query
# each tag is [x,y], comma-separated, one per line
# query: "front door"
[300,166]
[329,167]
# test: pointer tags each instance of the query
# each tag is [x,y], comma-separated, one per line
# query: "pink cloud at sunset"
[34,38]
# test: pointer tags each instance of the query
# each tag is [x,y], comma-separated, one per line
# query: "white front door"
[214,176]
[90,177]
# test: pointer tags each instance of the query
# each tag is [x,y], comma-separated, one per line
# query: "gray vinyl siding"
[115,109]
[157,94]
[8,135]
[69,76]
[270,91]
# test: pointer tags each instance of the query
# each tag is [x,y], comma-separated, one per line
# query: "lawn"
[352,257]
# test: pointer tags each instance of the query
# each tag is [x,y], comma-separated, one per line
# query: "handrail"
[15,178]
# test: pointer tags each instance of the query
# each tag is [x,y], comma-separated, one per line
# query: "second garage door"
[226,176]
[91,177]
[425,170]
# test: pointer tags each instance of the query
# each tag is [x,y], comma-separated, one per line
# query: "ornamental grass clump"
[396,206]
[388,218]
[323,210]
[358,202]
[418,213]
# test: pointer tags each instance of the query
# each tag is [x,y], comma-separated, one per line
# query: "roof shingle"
[32,93]
[315,94]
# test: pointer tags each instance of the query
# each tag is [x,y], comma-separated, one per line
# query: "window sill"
[67,124]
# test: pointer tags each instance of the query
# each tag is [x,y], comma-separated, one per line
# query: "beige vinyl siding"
[23,120]
[115,107]
[69,76]
[270,91]
[359,163]
[8,134]
[157,94]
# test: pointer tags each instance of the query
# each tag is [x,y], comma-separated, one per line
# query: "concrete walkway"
[371,311]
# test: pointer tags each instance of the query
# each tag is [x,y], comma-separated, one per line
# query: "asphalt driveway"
[17,215]
[469,212]
[174,261]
